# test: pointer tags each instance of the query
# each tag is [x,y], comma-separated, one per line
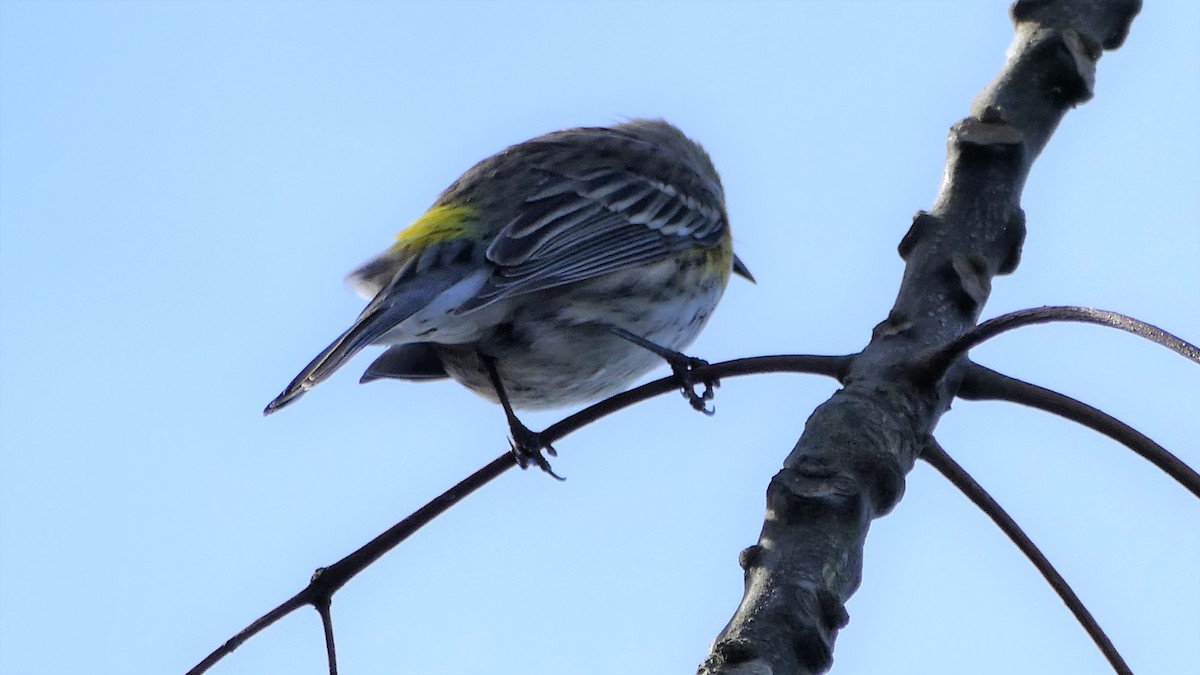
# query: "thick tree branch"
[849,465]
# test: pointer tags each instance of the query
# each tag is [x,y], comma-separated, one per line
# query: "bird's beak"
[740,269]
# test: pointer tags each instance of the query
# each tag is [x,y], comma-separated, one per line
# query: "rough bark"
[849,465]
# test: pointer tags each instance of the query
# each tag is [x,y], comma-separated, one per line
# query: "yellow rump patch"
[440,223]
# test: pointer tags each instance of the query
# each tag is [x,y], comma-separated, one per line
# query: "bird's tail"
[367,329]
[436,291]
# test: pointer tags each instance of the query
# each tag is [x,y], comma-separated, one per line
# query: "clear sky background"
[184,185]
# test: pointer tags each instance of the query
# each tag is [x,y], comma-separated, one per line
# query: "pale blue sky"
[183,186]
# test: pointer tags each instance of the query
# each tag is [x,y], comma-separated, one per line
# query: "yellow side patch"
[720,257]
[440,223]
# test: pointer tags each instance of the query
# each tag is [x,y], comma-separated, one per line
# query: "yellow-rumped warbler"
[554,272]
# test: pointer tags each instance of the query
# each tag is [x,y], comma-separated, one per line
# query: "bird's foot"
[684,367]
[527,447]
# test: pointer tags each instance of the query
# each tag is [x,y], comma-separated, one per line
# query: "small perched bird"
[554,272]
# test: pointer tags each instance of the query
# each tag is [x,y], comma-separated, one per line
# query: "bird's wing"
[581,224]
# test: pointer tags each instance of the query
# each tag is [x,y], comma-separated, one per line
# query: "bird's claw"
[527,447]
[684,369]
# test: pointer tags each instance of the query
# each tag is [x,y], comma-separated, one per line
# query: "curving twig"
[984,384]
[328,580]
[936,456]
[935,365]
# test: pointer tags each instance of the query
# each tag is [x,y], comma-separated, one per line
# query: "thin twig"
[983,384]
[327,623]
[328,580]
[936,363]
[936,456]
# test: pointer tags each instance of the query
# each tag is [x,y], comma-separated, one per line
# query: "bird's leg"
[682,365]
[526,445]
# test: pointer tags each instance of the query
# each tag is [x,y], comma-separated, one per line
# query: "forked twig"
[328,580]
